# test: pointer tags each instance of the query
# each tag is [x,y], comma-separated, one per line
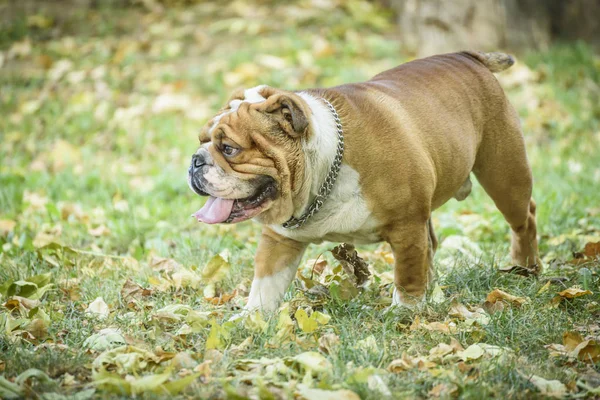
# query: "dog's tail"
[495,62]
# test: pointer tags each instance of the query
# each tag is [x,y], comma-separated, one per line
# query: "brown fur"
[414,134]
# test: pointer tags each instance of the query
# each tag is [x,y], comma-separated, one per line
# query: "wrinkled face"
[250,161]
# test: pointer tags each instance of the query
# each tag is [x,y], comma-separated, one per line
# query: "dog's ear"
[290,112]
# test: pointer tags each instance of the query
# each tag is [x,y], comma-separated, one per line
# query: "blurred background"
[101,103]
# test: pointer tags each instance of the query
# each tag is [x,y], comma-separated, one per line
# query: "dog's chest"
[344,216]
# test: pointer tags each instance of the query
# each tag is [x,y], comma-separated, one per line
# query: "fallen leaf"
[22,303]
[440,351]
[310,324]
[407,362]
[573,292]
[239,349]
[460,311]
[368,344]
[437,295]
[498,295]
[254,322]
[575,346]
[354,266]
[446,390]
[166,265]
[376,383]
[551,388]
[126,360]
[185,278]
[519,270]
[592,250]
[216,269]
[105,339]
[221,299]
[320,394]
[473,352]
[98,308]
[328,343]
[312,362]
[131,289]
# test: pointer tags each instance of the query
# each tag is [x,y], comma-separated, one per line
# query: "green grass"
[87,161]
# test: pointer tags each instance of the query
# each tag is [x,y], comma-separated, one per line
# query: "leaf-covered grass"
[100,111]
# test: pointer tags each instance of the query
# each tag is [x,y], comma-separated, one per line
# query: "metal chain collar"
[327,186]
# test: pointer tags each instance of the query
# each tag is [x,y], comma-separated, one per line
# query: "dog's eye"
[229,151]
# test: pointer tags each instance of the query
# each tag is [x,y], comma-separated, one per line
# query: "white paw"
[267,292]
[398,302]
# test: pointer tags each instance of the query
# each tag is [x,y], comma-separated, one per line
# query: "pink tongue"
[215,210]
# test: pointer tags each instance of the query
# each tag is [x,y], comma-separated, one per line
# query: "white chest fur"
[344,216]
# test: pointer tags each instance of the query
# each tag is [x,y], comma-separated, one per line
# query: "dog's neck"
[320,149]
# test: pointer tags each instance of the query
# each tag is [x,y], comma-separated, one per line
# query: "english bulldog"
[366,162]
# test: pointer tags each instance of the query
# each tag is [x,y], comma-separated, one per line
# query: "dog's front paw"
[407,301]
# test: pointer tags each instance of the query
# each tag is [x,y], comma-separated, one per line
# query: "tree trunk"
[433,26]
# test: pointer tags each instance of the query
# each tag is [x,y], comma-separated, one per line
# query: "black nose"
[197,162]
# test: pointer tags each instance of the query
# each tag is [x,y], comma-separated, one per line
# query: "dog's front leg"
[275,266]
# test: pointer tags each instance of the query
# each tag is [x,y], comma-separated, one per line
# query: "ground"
[109,288]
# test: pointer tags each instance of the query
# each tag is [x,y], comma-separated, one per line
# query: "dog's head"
[251,161]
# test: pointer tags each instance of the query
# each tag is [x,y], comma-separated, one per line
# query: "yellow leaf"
[254,322]
[497,295]
[305,323]
[437,295]
[310,324]
[573,292]
[320,317]
[285,327]
[214,337]
[545,288]
[216,269]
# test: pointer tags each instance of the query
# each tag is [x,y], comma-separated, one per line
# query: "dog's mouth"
[219,210]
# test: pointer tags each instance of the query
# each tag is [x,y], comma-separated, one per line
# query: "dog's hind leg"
[503,170]
[433,244]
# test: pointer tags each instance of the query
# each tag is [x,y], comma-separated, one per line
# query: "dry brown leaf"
[571,340]
[444,327]
[592,249]
[587,351]
[458,310]
[221,299]
[132,290]
[21,303]
[166,265]
[519,270]
[38,328]
[317,266]
[440,350]
[497,295]
[575,346]
[407,362]
[353,265]
[328,342]
[573,292]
